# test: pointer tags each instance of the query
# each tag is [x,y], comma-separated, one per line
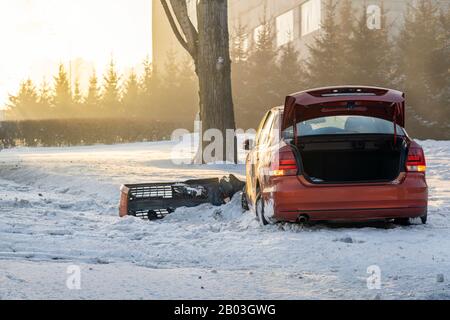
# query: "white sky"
[36,35]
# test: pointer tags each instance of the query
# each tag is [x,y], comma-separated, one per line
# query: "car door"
[261,152]
[252,159]
[271,145]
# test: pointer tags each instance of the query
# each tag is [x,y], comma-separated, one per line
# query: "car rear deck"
[406,196]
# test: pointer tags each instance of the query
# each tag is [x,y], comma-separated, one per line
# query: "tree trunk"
[213,67]
[209,47]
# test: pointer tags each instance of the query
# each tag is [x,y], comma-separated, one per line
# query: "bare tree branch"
[180,10]
[174,26]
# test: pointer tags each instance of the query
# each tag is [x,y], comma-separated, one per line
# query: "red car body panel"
[381,103]
[295,196]
[292,197]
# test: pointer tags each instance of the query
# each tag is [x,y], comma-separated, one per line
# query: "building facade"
[296,21]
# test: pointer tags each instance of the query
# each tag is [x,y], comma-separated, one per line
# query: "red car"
[338,153]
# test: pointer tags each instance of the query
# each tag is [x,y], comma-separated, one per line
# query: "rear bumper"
[355,214]
[295,196]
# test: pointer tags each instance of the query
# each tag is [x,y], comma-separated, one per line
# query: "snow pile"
[58,207]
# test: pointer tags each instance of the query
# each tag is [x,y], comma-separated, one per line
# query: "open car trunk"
[344,134]
[352,159]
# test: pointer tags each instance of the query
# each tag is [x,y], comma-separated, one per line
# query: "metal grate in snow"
[152,214]
[161,192]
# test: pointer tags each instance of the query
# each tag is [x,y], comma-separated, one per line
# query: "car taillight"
[284,163]
[416,159]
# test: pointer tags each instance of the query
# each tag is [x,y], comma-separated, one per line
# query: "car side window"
[265,133]
[274,133]
[260,128]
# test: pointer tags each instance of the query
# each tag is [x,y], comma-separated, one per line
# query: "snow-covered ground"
[58,208]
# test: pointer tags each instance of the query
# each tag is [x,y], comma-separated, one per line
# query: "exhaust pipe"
[303,219]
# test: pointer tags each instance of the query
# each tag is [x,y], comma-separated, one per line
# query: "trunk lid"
[375,102]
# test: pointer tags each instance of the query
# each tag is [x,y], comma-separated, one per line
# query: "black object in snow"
[155,201]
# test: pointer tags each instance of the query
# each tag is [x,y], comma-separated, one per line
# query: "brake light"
[284,163]
[416,159]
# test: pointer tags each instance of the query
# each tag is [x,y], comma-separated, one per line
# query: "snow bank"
[59,207]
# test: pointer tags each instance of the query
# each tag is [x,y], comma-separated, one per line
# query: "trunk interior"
[352,159]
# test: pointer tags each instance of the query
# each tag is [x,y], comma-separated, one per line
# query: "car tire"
[410,221]
[424,219]
[244,202]
[259,207]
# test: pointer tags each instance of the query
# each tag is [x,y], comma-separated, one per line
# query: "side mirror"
[247,144]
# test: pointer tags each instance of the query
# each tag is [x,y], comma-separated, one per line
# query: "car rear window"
[344,125]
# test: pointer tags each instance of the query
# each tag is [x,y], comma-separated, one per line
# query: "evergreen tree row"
[171,96]
[346,51]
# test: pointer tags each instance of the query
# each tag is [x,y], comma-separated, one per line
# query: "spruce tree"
[346,18]
[147,79]
[346,33]
[370,54]
[171,68]
[291,72]
[131,95]
[150,89]
[445,65]
[24,105]
[423,62]
[260,92]
[240,71]
[77,95]
[239,44]
[77,101]
[62,93]
[111,96]
[187,92]
[45,101]
[92,101]
[169,90]
[324,64]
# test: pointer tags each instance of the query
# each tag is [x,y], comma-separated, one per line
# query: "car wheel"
[244,201]
[410,221]
[260,211]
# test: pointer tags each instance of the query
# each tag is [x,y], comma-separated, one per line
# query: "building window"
[285,28]
[311,16]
